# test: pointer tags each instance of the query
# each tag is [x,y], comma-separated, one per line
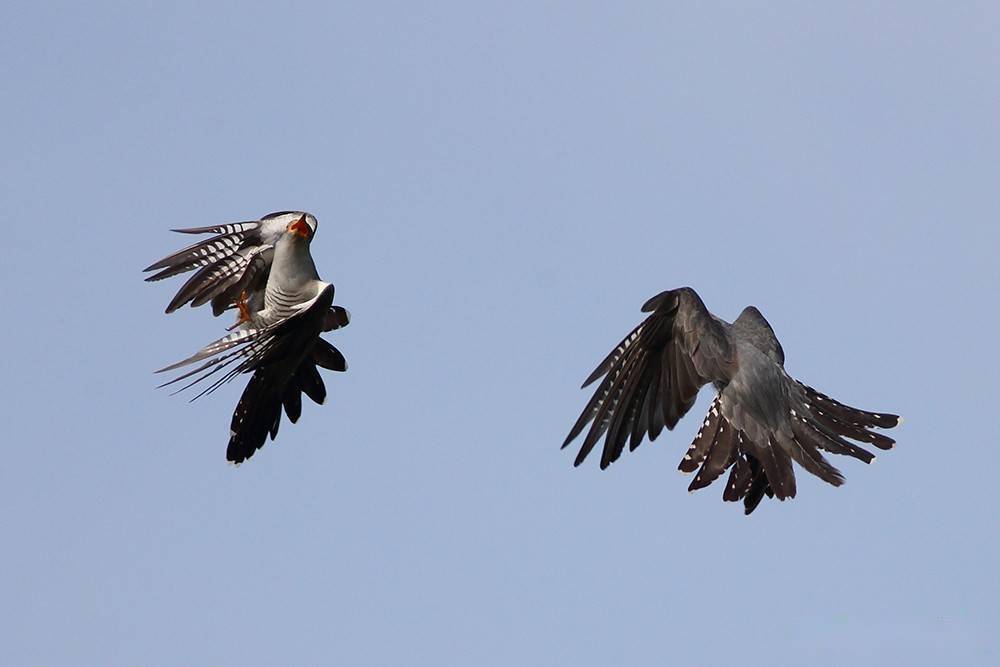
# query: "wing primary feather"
[229,228]
[623,410]
[602,416]
[215,247]
[620,350]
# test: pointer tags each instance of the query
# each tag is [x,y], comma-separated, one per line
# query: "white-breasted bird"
[264,269]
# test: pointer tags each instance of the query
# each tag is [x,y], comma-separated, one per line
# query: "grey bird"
[761,420]
[276,336]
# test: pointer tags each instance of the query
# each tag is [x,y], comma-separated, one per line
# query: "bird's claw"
[243,307]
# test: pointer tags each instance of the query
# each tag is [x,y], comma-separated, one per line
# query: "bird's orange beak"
[300,228]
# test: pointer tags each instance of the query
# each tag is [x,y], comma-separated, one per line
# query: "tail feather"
[336,318]
[721,455]
[698,450]
[759,487]
[777,466]
[814,433]
[851,431]
[292,401]
[277,422]
[310,382]
[329,357]
[253,419]
[740,478]
[807,455]
[848,414]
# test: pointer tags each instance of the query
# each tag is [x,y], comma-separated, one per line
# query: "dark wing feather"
[253,281]
[651,378]
[250,349]
[223,244]
[212,279]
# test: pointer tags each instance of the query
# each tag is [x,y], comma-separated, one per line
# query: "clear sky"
[499,187]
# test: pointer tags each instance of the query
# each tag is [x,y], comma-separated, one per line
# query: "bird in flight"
[265,271]
[761,420]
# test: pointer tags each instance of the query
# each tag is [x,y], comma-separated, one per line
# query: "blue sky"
[499,186]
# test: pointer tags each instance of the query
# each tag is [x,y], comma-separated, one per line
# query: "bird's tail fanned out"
[258,414]
[748,465]
[720,446]
[827,425]
[818,424]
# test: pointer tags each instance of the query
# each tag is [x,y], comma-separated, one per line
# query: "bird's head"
[303,224]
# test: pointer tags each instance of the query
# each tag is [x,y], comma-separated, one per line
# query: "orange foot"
[241,303]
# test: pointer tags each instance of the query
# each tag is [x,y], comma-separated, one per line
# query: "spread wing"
[651,378]
[254,347]
[236,257]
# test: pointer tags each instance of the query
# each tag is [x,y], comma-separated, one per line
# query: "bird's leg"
[244,308]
